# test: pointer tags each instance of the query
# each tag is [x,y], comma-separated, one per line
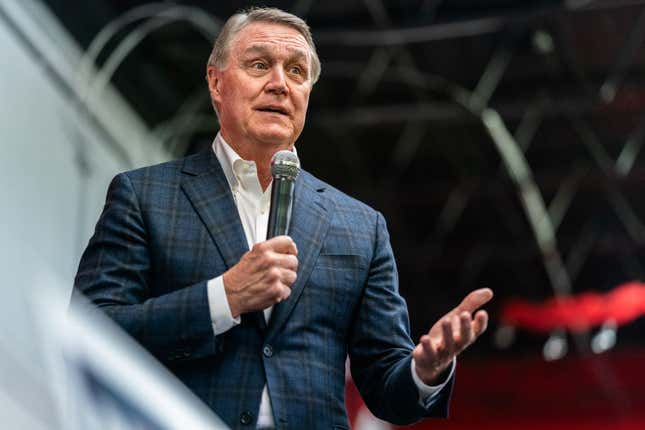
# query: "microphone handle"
[281,205]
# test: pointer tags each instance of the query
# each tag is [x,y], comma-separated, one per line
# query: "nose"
[277,81]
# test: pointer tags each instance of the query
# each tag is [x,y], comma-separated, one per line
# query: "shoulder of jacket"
[160,170]
[339,197]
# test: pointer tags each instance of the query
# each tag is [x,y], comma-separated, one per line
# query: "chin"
[275,137]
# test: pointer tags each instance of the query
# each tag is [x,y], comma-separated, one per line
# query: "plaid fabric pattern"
[166,230]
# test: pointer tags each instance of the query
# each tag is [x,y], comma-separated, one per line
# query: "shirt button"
[246,418]
[267,351]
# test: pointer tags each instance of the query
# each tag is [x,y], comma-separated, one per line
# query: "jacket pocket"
[341,261]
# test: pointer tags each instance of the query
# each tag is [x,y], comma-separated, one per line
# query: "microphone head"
[285,164]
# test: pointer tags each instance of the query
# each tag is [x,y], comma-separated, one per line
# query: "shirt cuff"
[220,311]
[429,392]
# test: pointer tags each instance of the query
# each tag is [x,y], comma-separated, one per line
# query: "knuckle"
[264,261]
[275,291]
[290,277]
[274,274]
[277,287]
[286,239]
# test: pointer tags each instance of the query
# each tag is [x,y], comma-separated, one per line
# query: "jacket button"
[246,417]
[267,351]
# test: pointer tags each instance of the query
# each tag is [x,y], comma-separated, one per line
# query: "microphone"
[284,169]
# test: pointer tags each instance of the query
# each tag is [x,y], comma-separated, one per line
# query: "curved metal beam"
[192,15]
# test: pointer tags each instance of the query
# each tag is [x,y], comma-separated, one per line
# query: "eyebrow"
[264,49]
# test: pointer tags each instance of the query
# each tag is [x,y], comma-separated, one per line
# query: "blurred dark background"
[396,120]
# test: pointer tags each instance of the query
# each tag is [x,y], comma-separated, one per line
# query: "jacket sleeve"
[380,346]
[114,274]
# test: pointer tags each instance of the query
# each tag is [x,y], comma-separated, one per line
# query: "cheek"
[301,102]
[236,93]
[304,97]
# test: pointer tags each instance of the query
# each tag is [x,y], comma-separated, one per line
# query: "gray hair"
[221,47]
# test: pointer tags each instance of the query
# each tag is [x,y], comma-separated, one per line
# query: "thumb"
[474,300]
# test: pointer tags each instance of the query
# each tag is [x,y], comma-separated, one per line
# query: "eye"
[296,70]
[258,65]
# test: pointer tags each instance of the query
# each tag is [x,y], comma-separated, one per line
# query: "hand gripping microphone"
[284,169]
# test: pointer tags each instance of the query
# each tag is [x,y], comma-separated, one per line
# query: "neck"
[260,153]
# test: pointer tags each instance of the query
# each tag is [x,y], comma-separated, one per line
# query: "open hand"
[449,336]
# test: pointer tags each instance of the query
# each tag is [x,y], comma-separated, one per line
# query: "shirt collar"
[236,169]
[226,157]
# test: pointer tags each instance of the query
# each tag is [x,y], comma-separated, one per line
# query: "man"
[260,330]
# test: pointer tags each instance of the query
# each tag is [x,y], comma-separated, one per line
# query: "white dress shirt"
[253,207]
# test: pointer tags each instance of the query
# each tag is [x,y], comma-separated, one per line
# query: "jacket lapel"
[208,190]
[206,187]
[309,225]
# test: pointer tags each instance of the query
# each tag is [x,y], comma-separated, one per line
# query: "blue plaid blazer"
[166,230]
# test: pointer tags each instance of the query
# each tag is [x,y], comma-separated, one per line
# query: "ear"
[213,75]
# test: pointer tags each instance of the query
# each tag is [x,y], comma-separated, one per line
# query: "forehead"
[274,36]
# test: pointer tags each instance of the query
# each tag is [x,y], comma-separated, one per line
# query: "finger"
[418,353]
[428,350]
[475,300]
[280,292]
[286,292]
[455,322]
[466,331]
[282,244]
[448,339]
[288,277]
[480,323]
[283,261]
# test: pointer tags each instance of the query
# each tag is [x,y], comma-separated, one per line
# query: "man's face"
[263,92]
